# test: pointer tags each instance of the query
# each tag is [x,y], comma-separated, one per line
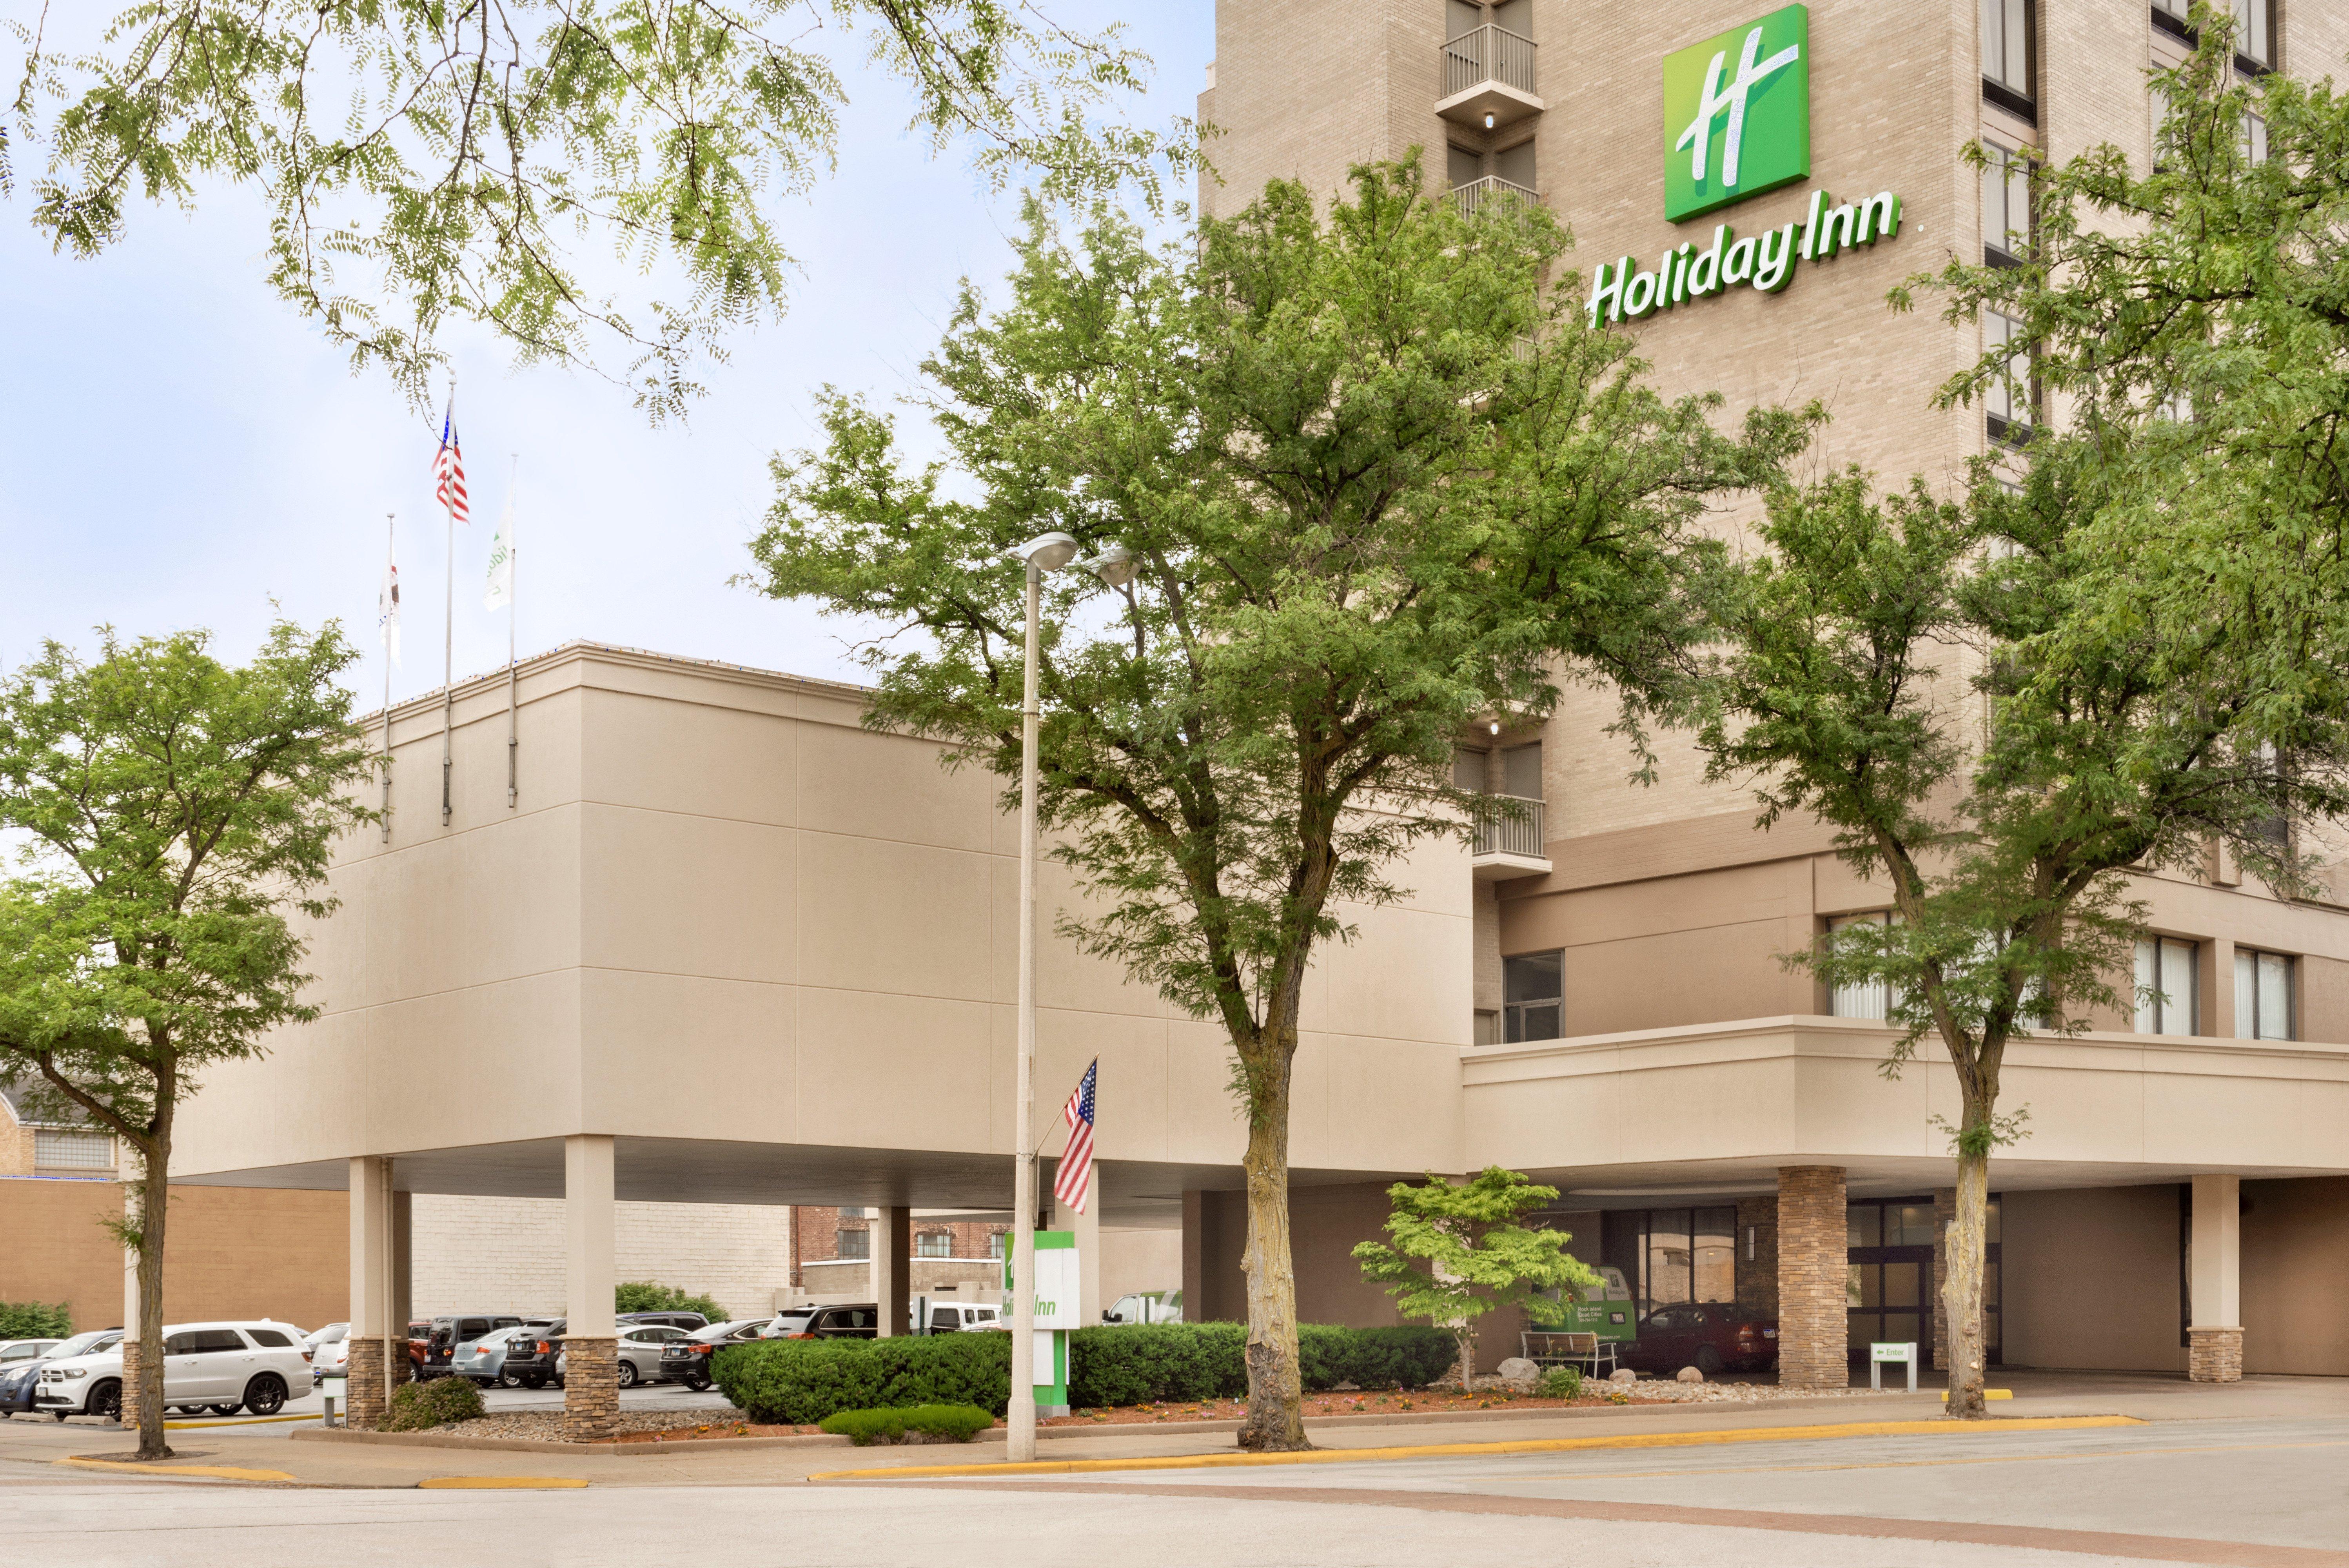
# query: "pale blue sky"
[181,447]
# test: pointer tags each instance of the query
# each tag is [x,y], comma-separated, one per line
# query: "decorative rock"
[1622,1375]
[1517,1369]
[1691,1375]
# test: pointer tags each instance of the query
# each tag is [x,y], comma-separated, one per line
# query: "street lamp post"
[1045,552]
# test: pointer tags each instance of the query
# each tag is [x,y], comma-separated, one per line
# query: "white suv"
[223,1367]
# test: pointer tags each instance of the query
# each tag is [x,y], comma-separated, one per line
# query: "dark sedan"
[1710,1335]
[531,1358]
[686,1360]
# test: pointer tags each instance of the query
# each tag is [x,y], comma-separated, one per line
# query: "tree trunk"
[1275,1413]
[1962,1291]
[154,1208]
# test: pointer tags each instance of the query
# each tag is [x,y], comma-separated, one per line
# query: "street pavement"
[2248,1475]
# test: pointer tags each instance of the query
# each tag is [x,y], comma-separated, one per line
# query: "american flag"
[449,469]
[1072,1183]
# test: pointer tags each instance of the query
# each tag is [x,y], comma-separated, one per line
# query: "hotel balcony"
[1488,78]
[1477,194]
[1509,841]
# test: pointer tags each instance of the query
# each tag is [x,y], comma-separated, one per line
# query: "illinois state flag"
[502,562]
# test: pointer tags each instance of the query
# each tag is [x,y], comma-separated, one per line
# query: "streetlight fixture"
[1045,552]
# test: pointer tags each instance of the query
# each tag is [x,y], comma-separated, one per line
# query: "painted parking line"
[235,1422]
[1938,1427]
[499,1483]
[207,1472]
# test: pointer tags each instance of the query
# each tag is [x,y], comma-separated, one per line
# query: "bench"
[1546,1347]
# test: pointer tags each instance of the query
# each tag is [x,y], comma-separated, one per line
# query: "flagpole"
[513,614]
[391,522]
[449,617]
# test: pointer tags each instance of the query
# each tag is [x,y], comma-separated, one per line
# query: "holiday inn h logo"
[1737,114]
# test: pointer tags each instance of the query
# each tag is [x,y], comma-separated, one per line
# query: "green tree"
[1942,682]
[175,809]
[1364,512]
[422,161]
[1462,1252]
[645,1296]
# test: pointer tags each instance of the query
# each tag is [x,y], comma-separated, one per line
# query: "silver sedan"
[483,1360]
[639,1352]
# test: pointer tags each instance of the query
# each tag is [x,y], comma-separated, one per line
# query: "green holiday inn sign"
[1737,123]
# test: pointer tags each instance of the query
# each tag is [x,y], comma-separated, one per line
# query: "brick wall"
[1811,1271]
[507,1253]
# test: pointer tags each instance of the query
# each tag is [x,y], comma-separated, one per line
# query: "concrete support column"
[403,1262]
[2215,1336]
[1087,1226]
[2217,981]
[893,1267]
[591,1391]
[1194,1256]
[378,1355]
[1813,1268]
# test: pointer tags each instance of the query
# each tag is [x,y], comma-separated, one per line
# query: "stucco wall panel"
[874,786]
[686,895]
[2089,1277]
[1692,977]
[2295,1251]
[651,1049]
[734,757]
[881,916]
[874,1067]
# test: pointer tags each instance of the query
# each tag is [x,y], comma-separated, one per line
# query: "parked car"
[333,1334]
[450,1339]
[20,1380]
[1146,1306]
[483,1360]
[686,1360]
[688,1321]
[854,1320]
[954,1317]
[14,1350]
[1709,1335]
[223,1367]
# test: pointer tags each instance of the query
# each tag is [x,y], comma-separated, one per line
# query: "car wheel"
[536,1381]
[1708,1360]
[508,1381]
[105,1402]
[698,1385]
[187,1410]
[627,1373]
[224,1409]
[266,1394]
[60,1415]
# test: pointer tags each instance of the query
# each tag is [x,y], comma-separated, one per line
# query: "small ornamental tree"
[645,1296]
[174,813]
[1459,1253]
[1378,482]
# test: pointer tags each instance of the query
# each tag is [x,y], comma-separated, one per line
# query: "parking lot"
[307,1410]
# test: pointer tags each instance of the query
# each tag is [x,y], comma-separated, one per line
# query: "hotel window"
[2007,404]
[1685,1255]
[934,1245]
[57,1149]
[1461,167]
[2006,55]
[2252,138]
[1532,996]
[995,1244]
[2262,995]
[2166,987]
[1468,769]
[1863,998]
[1516,165]
[2255,34]
[1521,771]
[2006,206]
[854,1245]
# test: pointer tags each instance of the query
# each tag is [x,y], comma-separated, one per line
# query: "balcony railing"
[1488,53]
[1510,825]
[1477,194]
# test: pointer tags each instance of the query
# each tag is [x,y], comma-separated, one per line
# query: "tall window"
[994,1240]
[1533,996]
[1521,771]
[2006,206]
[2262,995]
[1686,1254]
[2165,996]
[1865,998]
[1468,769]
[2007,405]
[2255,32]
[1516,165]
[2252,138]
[1461,167]
[934,1245]
[854,1245]
[2006,55]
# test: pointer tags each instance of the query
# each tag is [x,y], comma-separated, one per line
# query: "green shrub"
[800,1382]
[959,1423]
[416,1406]
[1561,1382]
[644,1296]
[35,1320]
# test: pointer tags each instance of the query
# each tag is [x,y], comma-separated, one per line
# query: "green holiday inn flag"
[1737,114]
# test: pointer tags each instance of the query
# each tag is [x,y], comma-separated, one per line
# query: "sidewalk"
[234,1449]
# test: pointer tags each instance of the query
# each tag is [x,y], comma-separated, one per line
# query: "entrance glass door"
[1890,1285]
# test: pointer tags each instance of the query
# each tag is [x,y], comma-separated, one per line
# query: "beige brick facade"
[506,1254]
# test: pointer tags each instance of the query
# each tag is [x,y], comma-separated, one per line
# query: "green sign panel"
[1606,1310]
[1737,114]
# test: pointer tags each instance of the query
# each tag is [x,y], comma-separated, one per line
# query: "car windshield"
[791,1322]
[87,1344]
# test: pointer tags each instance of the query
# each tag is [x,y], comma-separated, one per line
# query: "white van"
[223,1367]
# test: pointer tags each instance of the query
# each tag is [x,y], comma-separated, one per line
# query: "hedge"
[417,1406]
[800,1382]
[35,1320]
[960,1423]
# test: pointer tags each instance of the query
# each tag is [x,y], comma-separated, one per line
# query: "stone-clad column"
[591,1378]
[893,1267]
[376,1343]
[1813,1271]
[2215,1334]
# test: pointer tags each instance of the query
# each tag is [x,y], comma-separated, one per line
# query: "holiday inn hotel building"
[727,945]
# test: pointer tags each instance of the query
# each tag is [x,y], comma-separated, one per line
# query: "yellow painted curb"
[1987,1394]
[232,1422]
[215,1472]
[497,1482]
[1523,1445]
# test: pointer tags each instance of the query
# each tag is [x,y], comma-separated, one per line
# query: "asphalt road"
[2249,1493]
